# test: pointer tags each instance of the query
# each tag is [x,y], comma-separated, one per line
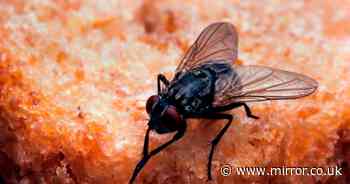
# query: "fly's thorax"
[193,90]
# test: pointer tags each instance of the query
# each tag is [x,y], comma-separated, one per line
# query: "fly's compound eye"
[150,102]
[171,118]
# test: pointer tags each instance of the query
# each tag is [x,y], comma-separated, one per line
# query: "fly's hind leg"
[161,78]
[249,112]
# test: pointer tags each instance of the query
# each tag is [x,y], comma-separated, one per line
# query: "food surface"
[75,76]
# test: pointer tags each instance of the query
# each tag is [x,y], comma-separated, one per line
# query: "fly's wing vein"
[259,83]
[217,43]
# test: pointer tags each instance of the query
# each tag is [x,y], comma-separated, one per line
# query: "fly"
[207,83]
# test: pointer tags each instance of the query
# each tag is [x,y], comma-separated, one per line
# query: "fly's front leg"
[161,78]
[176,137]
[147,156]
[145,144]
[218,137]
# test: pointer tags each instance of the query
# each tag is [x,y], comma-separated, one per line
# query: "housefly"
[207,83]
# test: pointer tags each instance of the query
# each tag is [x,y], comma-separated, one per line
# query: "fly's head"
[164,117]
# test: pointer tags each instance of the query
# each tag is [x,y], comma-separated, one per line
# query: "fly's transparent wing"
[217,43]
[258,83]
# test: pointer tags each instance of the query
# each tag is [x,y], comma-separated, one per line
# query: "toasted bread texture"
[75,75]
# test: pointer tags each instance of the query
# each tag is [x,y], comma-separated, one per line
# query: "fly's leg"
[145,144]
[176,137]
[147,156]
[161,78]
[248,112]
[218,137]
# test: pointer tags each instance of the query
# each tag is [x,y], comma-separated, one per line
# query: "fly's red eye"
[172,117]
[150,102]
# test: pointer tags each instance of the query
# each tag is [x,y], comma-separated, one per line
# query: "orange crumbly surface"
[75,75]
